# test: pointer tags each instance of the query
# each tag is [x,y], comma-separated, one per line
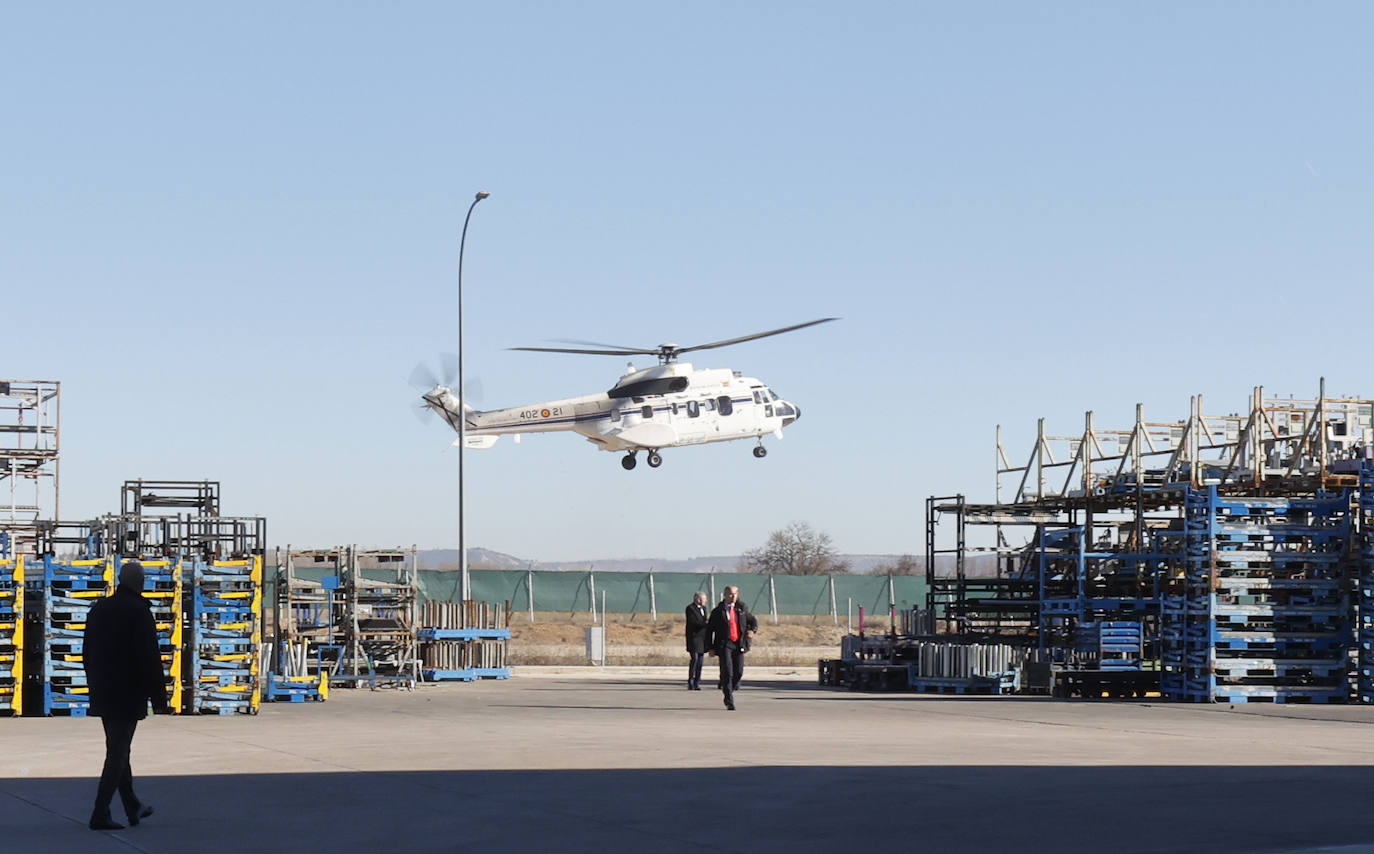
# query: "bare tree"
[797,549]
[905,565]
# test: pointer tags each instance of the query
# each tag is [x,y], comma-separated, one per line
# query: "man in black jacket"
[730,627]
[124,672]
[696,640]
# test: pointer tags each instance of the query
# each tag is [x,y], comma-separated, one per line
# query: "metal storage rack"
[66,592]
[163,589]
[380,616]
[309,612]
[1239,544]
[226,630]
[464,641]
[1263,614]
[11,635]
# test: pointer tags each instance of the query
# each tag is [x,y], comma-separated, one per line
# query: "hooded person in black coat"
[124,673]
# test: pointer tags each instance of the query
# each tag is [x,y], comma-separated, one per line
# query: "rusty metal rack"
[1131,526]
[464,641]
[348,613]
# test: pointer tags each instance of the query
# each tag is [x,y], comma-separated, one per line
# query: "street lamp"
[465,590]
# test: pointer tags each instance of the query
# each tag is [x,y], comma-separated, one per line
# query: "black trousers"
[119,735]
[731,669]
[694,668]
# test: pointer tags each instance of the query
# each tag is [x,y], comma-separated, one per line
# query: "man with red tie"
[729,629]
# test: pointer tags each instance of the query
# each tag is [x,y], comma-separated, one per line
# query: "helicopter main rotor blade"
[744,338]
[625,352]
[600,344]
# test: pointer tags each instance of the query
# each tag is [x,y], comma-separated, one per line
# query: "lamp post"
[465,590]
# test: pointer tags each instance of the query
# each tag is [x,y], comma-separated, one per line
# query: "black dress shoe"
[140,814]
[106,823]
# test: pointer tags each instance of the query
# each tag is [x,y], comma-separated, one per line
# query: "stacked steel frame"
[11,635]
[1364,640]
[380,619]
[348,614]
[66,590]
[163,590]
[464,641]
[30,419]
[1234,542]
[226,630]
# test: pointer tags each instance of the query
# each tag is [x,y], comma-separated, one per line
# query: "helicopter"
[669,405]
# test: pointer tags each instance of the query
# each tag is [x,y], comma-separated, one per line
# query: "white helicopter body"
[665,406]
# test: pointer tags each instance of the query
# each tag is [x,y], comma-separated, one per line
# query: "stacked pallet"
[464,640]
[162,588]
[1110,645]
[1364,659]
[11,635]
[68,589]
[1263,612]
[226,627]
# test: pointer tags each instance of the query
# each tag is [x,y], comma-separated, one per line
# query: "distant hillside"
[479,558]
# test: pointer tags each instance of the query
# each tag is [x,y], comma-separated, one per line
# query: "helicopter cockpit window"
[758,396]
[693,409]
[772,395]
[768,411]
[647,411]
[724,405]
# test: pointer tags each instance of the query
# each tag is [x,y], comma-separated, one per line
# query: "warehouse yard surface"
[590,760]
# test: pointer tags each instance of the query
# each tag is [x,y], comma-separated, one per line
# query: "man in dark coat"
[696,640]
[124,672]
[729,628]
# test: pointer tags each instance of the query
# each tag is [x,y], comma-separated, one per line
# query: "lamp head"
[482,195]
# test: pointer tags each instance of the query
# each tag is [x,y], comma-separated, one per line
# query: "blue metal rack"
[1364,640]
[225,619]
[11,635]
[68,590]
[1262,612]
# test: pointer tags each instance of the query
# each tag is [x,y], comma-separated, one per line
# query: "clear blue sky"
[232,230]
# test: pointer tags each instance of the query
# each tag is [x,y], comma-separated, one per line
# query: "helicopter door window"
[709,405]
[768,411]
[693,409]
[615,414]
[647,411]
[724,405]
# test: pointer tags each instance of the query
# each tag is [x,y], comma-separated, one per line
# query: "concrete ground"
[625,760]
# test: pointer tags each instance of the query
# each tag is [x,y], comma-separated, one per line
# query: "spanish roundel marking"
[544,413]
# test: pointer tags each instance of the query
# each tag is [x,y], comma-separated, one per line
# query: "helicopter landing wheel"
[654,460]
[760,451]
[627,462]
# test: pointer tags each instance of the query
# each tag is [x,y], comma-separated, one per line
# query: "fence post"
[834,614]
[529,588]
[653,601]
[849,616]
[772,598]
[591,592]
[713,584]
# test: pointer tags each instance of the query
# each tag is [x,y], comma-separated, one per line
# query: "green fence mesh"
[632,593]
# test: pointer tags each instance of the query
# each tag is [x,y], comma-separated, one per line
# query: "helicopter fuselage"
[665,406]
